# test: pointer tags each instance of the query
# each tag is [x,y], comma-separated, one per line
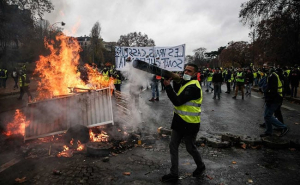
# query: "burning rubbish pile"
[58,72]
[18,125]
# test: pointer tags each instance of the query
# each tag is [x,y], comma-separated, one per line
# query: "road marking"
[286,107]
[255,96]
[9,164]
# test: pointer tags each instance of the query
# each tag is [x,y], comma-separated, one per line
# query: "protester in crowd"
[3,77]
[248,82]
[228,80]
[294,80]
[273,99]
[217,80]
[154,88]
[240,81]
[209,80]
[15,76]
[117,80]
[186,120]
[233,79]
[24,85]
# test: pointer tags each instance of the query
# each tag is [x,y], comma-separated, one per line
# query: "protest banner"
[168,58]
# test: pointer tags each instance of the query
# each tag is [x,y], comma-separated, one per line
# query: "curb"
[226,140]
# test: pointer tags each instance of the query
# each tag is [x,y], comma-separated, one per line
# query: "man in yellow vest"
[186,120]
[273,99]
[209,81]
[24,86]
[3,77]
[240,81]
[117,80]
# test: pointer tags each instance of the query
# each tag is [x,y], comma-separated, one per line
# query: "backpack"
[263,83]
[2,73]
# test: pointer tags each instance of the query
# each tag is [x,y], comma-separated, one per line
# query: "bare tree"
[96,48]
[135,40]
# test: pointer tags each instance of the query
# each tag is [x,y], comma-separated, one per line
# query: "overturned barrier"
[56,115]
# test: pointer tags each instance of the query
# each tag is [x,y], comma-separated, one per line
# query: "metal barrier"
[54,116]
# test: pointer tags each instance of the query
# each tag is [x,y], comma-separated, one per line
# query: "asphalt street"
[145,165]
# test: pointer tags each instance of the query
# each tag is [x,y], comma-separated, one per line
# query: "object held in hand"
[144,66]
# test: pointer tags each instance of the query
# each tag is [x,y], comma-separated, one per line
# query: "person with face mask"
[186,120]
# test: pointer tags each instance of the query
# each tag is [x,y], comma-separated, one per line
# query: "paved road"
[232,165]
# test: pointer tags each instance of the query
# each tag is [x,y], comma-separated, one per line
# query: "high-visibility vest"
[210,75]
[5,73]
[20,80]
[288,72]
[105,75]
[279,90]
[239,74]
[117,80]
[255,75]
[232,77]
[191,110]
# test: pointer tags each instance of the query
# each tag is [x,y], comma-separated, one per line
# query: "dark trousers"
[190,147]
[217,87]
[16,83]
[3,82]
[162,84]
[228,86]
[270,120]
[241,88]
[24,90]
[278,114]
[294,91]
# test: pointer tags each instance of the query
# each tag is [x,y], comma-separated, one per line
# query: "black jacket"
[191,92]
[271,93]
[294,78]
[217,77]
[249,78]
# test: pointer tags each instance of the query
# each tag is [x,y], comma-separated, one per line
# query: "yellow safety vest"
[255,75]
[117,80]
[239,79]
[191,110]
[288,72]
[210,75]
[20,80]
[105,75]
[279,90]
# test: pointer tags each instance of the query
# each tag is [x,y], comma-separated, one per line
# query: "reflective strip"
[192,104]
[187,113]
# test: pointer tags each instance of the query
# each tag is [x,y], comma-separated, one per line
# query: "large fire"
[18,125]
[59,70]
[102,137]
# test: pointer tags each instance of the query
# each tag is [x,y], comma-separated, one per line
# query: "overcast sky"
[196,23]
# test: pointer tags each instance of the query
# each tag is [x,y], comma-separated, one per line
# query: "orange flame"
[18,125]
[80,146]
[66,152]
[102,137]
[59,70]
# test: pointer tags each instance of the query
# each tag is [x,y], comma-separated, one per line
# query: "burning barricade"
[64,100]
